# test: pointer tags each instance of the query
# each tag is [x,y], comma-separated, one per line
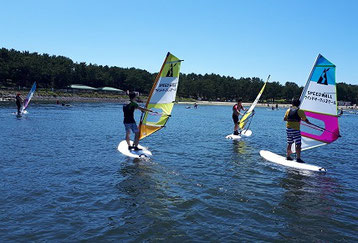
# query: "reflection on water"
[134,188]
[240,147]
[146,202]
[307,201]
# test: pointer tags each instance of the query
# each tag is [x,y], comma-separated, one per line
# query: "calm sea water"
[62,179]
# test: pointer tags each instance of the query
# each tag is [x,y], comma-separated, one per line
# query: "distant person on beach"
[235,115]
[129,121]
[276,106]
[195,105]
[19,103]
[293,117]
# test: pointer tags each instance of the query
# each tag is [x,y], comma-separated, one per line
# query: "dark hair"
[296,102]
[131,95]
[239,100]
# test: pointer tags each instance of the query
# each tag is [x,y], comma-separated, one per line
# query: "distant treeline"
[23,68]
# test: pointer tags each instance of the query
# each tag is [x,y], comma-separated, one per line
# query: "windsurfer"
[19,103]
[129,121]
[341,112]
[293,116]
[235,115]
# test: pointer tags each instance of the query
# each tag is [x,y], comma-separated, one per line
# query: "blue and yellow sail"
[161,97]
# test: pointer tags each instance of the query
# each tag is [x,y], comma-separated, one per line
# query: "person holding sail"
[19,103]
[293,117]
[235,115]
[129,121]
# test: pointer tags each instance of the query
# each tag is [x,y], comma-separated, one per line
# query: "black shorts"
[235,118]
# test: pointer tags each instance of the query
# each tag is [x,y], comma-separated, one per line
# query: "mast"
[248,113]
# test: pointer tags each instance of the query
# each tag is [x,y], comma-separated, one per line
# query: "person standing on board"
[341,112]
[235,115]
[19,103]
[129,122]
[293,117]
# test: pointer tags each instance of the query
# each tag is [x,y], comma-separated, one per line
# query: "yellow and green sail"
[248,114]
[161,97]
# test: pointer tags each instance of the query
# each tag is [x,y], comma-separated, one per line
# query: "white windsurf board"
[142,153]
[281,160]
[21,113]
[244,133]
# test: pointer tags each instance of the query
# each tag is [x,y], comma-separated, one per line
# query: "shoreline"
[246,104]
[83,97]
[232,103]
[123,99]
[9,96]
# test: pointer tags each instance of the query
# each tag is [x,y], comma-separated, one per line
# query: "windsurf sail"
[161,98]
[249,113]
[319,102]
[28,97]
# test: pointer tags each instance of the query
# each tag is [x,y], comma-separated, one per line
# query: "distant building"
[136,93]
[81,87]
[344,103]
[110,89]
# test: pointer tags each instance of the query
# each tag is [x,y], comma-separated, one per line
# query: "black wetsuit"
[18,103]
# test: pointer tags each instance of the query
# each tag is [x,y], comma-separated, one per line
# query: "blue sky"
[233,38]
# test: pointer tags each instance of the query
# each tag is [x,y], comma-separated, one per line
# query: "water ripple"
[62,179]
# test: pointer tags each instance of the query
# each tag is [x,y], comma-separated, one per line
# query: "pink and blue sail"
[319,102]
[29,97]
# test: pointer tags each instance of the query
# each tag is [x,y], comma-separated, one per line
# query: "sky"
[228,37]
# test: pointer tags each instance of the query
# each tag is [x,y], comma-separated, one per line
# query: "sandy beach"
[245,104]
[233,103]
[9,96]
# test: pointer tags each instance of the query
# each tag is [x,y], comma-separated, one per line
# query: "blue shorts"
[293,136]
[131,126]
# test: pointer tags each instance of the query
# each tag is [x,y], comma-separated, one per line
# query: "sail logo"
[320,94]
[170,72]
[166,87]
[323,78]
[322,97]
